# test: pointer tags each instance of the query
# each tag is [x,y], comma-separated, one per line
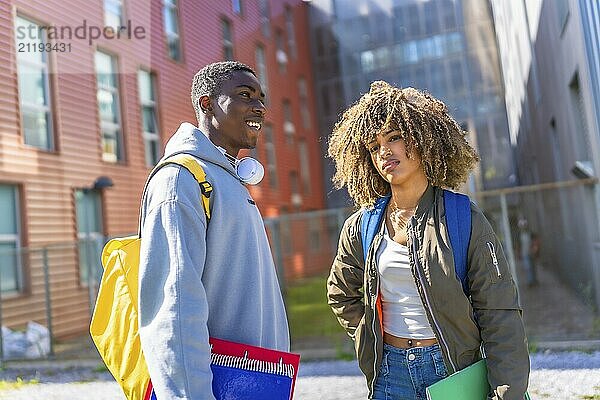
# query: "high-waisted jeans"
[405,373]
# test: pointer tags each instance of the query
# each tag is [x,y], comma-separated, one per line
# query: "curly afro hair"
[425,127]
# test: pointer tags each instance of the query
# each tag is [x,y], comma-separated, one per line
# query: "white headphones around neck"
[249,170]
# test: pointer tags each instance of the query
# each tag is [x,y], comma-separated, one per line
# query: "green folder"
[467,384]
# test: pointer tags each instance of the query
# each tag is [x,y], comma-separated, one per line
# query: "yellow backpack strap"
[190,163]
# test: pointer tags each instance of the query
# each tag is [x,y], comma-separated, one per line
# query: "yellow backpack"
[114,325]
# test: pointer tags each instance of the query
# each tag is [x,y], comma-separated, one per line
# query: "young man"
[202,278]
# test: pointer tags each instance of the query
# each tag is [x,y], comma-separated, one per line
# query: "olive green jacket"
[489,320]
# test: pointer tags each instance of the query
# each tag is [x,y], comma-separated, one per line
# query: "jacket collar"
[426,201]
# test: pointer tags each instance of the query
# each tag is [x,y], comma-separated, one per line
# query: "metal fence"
[304,244]
[551,236]
[46,293]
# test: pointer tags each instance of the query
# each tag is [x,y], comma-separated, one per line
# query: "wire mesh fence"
[46,294]
[550,234]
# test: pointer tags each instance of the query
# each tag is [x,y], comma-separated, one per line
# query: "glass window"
[227,40]
[420,77]
[288,125]
[454,43]
[113,13]
[367,61]
[303,92]
[236,6]
[399,25]
[88,211]
[291,35]
[431,14]
[34,87]
[304,166]
[457,81]
[171,21]
[281,55]
[437,78]
[10,260]
[296,197]
[438,46]
[411,52]
[271,158]
[265,17]
[581,134]
[398,54]
[426,48]
[414,21]
[108,107]
[150,134]
[261,70]
[382,57]
[448,15]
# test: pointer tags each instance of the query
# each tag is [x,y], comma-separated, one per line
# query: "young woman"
[404,307]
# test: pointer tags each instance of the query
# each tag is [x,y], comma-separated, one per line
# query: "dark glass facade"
[446,47]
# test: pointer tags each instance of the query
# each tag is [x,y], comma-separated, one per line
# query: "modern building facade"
[446,47]
[551,66]
[86,110]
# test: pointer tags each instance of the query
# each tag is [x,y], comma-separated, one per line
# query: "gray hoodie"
[200,279]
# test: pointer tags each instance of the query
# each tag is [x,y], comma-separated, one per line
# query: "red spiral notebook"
[244,372]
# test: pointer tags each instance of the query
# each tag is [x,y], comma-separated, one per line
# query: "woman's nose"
[385,152]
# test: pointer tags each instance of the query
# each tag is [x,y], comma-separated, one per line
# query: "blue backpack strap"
[458,221]
[370,223]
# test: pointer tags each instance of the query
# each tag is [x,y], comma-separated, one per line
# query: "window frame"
[172,5]
[239,10]
[15,238]
[95,236]
[289,127]
[305,174]
[280,52]
[121,16]
[48,108]
[265,18]
[271,156]
[303,97]
[290,30]
[262,70]
[115,128]
[146,135]
[227,43]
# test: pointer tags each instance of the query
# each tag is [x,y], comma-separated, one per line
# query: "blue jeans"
[405,373]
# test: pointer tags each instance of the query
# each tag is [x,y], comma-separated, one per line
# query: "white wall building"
[549,53]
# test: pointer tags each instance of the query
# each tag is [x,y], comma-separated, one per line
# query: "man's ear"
[205,103]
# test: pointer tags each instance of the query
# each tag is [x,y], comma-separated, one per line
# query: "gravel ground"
[554,376]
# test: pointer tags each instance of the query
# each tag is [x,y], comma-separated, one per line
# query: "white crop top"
[403,312]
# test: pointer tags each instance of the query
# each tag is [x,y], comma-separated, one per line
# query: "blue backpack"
[458,220]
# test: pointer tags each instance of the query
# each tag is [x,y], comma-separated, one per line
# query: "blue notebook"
[239,384]
[243,372]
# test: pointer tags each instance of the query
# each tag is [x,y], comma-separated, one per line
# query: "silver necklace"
[399,217]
